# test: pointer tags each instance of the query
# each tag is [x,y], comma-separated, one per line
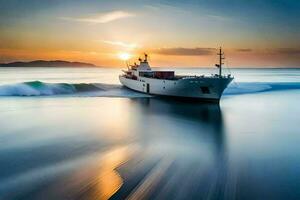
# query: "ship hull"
[189,88]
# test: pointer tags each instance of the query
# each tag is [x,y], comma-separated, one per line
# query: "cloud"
[102,18]
[243,50]
[219,18]
[272,51]
[121,44]
[289,51]
[181,51]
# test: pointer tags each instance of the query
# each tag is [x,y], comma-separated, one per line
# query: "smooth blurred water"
[95,147]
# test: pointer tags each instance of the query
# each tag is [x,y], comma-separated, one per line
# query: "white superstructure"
[140,77]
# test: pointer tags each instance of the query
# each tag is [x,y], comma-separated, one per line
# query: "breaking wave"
[256,87]
[38,88]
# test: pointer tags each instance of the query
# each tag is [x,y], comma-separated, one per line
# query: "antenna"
[221,58]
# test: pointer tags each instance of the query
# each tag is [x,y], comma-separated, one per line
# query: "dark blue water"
[60,139]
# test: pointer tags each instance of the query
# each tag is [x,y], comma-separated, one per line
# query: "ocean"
[76,133]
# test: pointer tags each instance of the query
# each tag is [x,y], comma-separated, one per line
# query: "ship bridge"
[144,65]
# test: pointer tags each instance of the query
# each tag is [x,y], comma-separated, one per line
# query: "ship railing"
[202,76]
[190,76]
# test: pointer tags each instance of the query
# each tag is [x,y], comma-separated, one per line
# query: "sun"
[124,56]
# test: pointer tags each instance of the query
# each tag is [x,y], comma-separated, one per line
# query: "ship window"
[205,90]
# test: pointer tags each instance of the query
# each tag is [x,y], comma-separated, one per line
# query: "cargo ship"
[141,78]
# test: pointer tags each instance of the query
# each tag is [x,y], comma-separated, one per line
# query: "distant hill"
[44,63]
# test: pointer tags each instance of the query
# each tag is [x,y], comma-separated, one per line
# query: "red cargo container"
[164,74]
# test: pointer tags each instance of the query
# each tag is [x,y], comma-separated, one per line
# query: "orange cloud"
[121,44]
[181,51]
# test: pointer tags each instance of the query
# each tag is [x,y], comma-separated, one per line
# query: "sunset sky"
[254,33]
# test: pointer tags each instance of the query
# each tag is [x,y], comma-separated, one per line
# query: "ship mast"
[221,58]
